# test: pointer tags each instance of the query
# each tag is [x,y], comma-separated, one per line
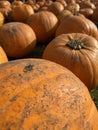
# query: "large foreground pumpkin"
[79,53]
[35,96]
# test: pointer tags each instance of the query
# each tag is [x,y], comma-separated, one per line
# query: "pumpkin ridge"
[92,66]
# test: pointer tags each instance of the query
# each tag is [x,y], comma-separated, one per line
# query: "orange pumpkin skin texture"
[36,96]
[63,14]
[17,39]
[94,17]
[44,24]
[2,19]
[77,24]
[87,12]
[80,59]
[3,56]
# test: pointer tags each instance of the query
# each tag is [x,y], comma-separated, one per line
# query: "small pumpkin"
[63,2]
[34,95]
[56,8]
[87,12]
[17,39]
[73,7]
[87,4]
[94,16]
[79,53]
[63,14]
[5,7]
[16,3]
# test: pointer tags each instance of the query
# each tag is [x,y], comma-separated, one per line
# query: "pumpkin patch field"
[49,65]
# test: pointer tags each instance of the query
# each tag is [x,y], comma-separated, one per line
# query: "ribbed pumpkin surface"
[17,39]
[35,96]
[79,53]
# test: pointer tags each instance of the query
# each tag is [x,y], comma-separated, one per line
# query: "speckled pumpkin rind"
[37,94]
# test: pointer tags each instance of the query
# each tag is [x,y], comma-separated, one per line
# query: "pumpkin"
[73,7]
[2,19]
[87,12]
[3,56]
[63,14]
[21,13]
[30,2]
[94,16]
[63,2]
[48,2]
[17,39]
[70,1]
[87,4]
[41,3]
[5,7]
[16,3]
[79,53]
[4,3]
[33,95]
[44,24]
[56,8]
[77,24]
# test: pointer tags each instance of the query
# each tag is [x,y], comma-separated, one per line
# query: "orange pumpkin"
[16,3]
[56,8]
[44,24]
[87,4]
[73,7]
[63,14]
[33,95]
[17,39]
[87,12]
[21,13]
[5,7]
[3,56]
[63,2]
[2,19]
[94,16]
[77,24]
[79,53]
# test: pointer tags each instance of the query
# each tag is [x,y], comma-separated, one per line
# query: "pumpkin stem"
[28,68]
[75,44]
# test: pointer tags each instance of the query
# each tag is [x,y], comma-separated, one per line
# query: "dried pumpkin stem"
[75,44]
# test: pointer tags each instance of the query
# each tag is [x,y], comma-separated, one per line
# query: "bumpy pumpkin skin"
[82,62]
[77,24]
[17,39]
[33,95]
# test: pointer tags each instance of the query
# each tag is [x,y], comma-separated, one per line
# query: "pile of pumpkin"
[51,92]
